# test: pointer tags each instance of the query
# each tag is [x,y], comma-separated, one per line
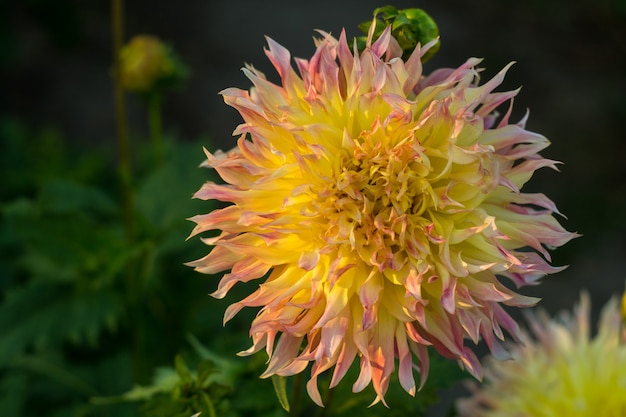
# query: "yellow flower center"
[377,197]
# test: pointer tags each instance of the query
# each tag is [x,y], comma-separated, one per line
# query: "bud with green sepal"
[148,67]
[408,26]
[148,64]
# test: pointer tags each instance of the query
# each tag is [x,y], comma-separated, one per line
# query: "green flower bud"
[147,64]
[408,26]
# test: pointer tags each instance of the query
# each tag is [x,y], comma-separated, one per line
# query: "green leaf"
[229,370]
[13,393]
[424,28]
[50,315]
[280,387]
[63,196]
[205,370]
[408,27]
[208,403]
[164,382]
[29,157]
[68,246]
[386,11]
[54,372]
[182,370]
[399,21]
[164,198]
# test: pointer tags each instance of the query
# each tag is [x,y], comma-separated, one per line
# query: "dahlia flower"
[559,372]
[377,208]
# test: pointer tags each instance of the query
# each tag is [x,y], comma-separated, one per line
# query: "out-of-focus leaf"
[177,392]
[53,371]
[182,370]
[67,247]
[165,380]
[386,11]
[63,196]
[30,157]
[49,315]
[208,404]
[205,370]
[280,388]
[229,370]
[164,198]
[13,393]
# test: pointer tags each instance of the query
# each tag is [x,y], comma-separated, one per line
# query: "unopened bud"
[408,26]
[146,64]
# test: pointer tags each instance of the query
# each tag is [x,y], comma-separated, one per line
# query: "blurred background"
[58,121]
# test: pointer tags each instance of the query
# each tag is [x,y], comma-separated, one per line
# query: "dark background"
[56,60]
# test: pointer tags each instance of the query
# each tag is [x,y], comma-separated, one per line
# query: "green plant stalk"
[123,145]
[126,179]
[155,123]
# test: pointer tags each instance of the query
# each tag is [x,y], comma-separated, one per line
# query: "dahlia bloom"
[559,372]
[376,206]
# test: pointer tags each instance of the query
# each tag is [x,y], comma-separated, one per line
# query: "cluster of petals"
[561,371]
[379,209]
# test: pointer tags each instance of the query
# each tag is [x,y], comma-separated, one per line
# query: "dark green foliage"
[178,392]
[84,311]
[93,323]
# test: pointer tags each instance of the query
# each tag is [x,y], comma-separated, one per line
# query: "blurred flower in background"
[382,203]
[147,63]
[148,67]
[560,370]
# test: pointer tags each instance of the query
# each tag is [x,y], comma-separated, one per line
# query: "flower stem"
[155,124]
[124,163]
[126,182]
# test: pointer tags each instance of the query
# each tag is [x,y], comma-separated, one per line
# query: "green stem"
[124,163]
[155,123]
[126,180]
